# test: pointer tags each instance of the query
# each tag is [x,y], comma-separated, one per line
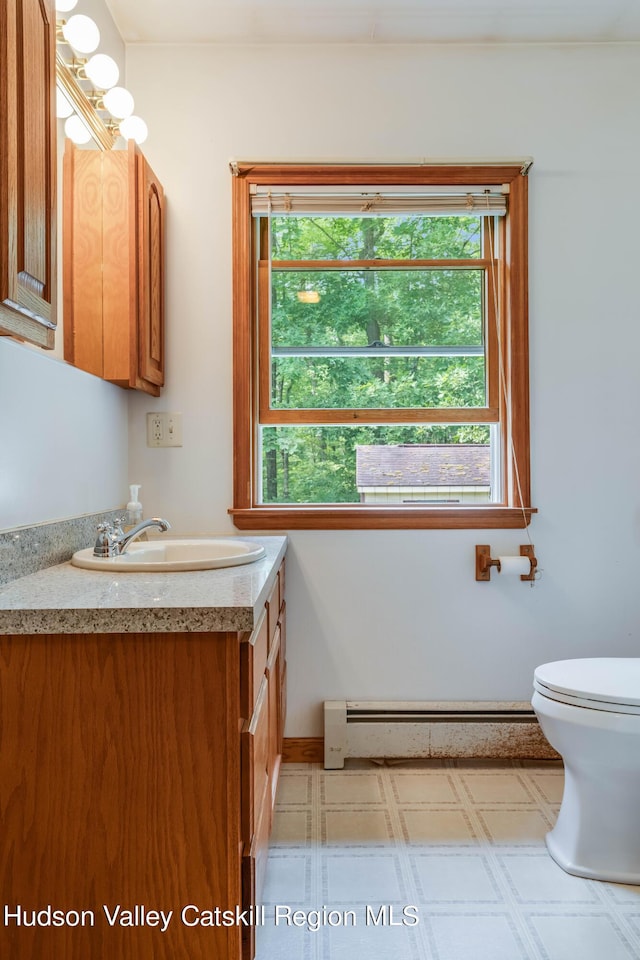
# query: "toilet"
[589,711]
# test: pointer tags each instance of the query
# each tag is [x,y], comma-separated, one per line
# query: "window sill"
[350,517]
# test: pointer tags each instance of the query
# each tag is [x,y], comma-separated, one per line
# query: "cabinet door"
[283,673]
[274,674]
[256,807]
[27,170]
[114,270]
[83,260]
[255,765]
[150,202]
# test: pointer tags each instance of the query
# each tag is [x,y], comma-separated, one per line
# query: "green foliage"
[368,238]
[407,307]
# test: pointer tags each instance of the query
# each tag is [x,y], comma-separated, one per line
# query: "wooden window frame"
[512,275]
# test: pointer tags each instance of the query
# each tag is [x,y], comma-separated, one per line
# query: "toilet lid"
[601,683]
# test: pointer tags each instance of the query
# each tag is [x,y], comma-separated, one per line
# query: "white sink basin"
[165,556]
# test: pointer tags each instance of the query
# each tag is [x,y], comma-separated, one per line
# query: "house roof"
[423,465]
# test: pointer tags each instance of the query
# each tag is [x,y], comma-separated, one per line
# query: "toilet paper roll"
[515,566]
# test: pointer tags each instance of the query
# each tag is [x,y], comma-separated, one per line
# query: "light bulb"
[102,70]
[118,102]
[63,107]
[134,128]
[75,129]
[81,33]
[64,6]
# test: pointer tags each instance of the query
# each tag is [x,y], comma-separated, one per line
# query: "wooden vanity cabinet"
[138,769]
[113,242]
[28,171]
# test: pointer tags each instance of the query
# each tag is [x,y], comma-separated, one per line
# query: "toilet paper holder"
[484,562]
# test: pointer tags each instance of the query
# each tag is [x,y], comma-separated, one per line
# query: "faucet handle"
[117,526]
[104,541]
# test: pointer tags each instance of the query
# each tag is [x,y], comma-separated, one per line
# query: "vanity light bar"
[101,70]
[78,99]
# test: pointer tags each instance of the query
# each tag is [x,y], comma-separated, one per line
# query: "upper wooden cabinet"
[27,171]
[113,250]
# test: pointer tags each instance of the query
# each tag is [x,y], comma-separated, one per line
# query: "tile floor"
[457,844]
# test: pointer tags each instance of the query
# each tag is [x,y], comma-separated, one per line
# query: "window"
[380,346]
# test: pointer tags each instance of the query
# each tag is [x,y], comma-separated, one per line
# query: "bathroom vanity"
[141,722]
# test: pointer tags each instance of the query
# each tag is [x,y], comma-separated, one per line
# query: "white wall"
[63,450]
[64,442]
[392,614]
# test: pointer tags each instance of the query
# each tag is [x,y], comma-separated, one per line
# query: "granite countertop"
[66,599]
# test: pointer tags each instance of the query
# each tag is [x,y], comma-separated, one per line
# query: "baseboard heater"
[444,729]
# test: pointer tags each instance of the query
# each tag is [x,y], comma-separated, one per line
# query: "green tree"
[372,309]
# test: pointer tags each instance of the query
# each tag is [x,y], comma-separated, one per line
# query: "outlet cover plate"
[164,429]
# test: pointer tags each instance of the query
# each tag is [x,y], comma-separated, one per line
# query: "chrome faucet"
[112,541]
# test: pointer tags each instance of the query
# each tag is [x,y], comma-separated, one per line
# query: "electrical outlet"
[164,429]
[154,429]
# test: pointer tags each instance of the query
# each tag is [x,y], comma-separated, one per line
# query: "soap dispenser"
[134,507]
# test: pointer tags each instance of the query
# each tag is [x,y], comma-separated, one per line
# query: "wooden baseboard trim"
[303,750]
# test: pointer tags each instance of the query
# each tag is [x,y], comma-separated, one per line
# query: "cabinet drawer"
[273,609]
[253,662]
[283,700]
[283,637]
[282,582]
[255,764]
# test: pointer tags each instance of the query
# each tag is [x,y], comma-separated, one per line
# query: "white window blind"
[474,201]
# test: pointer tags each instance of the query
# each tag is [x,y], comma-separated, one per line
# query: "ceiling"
[376,21]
